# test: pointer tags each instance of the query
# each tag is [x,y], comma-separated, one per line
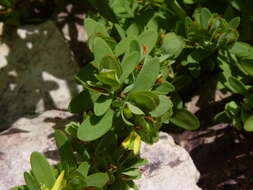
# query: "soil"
[223,156]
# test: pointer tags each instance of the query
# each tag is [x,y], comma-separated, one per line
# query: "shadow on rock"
[36,72]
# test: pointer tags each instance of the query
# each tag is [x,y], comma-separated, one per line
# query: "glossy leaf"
[164,88]
[147,75]
[144,99]
[165,104]
[129,64]
[41,169]
[235,22]
[81,102]
[185,119]
[102,104]
[172,45]
[205,15]
[123,45]
[100,50]
[248,125]
[31,182]
[83,169]
[110,63]
[148,40]
[95,127]
[97,180]
[135,110]
[93,27]
[66,151]
[247,66]
[237,86]
[110,78]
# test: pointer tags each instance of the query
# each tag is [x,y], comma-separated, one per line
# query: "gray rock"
[170,167]
[36,71]
[24,137]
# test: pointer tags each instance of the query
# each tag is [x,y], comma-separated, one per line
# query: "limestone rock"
[36,71]
[170,167]
[24,137]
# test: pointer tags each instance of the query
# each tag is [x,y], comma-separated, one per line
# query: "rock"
[24,137]
[170,167]
[36,71]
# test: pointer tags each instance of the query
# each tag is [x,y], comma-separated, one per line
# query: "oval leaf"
[147,76]
[41,169]
[31,182]
[172,45]
[95,127]
[237,86]
[111,63]
[100,49]
[145,100]
[164,106]
[102,104]
[128,65]
[81,102]
[185,119]
[248,125]
[97,180]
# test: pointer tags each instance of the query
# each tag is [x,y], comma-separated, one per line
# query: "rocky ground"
[37,65]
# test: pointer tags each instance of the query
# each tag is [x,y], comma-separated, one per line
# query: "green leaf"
[41,169]
[135,110]
[144,99]
[248,125]
[205,15]
[242,50]
[95,127]
[104,9]
[66,151]
[97,180]
[93,28]
[110,78]
[235,22]
[148,40]
[87,73]
[81,103]
[6,3]
[185,119]
[222,117]
[100,50]
[172,45]
[123,45]
[247,66]
[83,169]
[102,104]
[22,187]
[120,31]
[132,172]
[125,114]
[147,76]
[237,86]
[111,63]
[31,182]
[164,88]
[128,65]
[165,104]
